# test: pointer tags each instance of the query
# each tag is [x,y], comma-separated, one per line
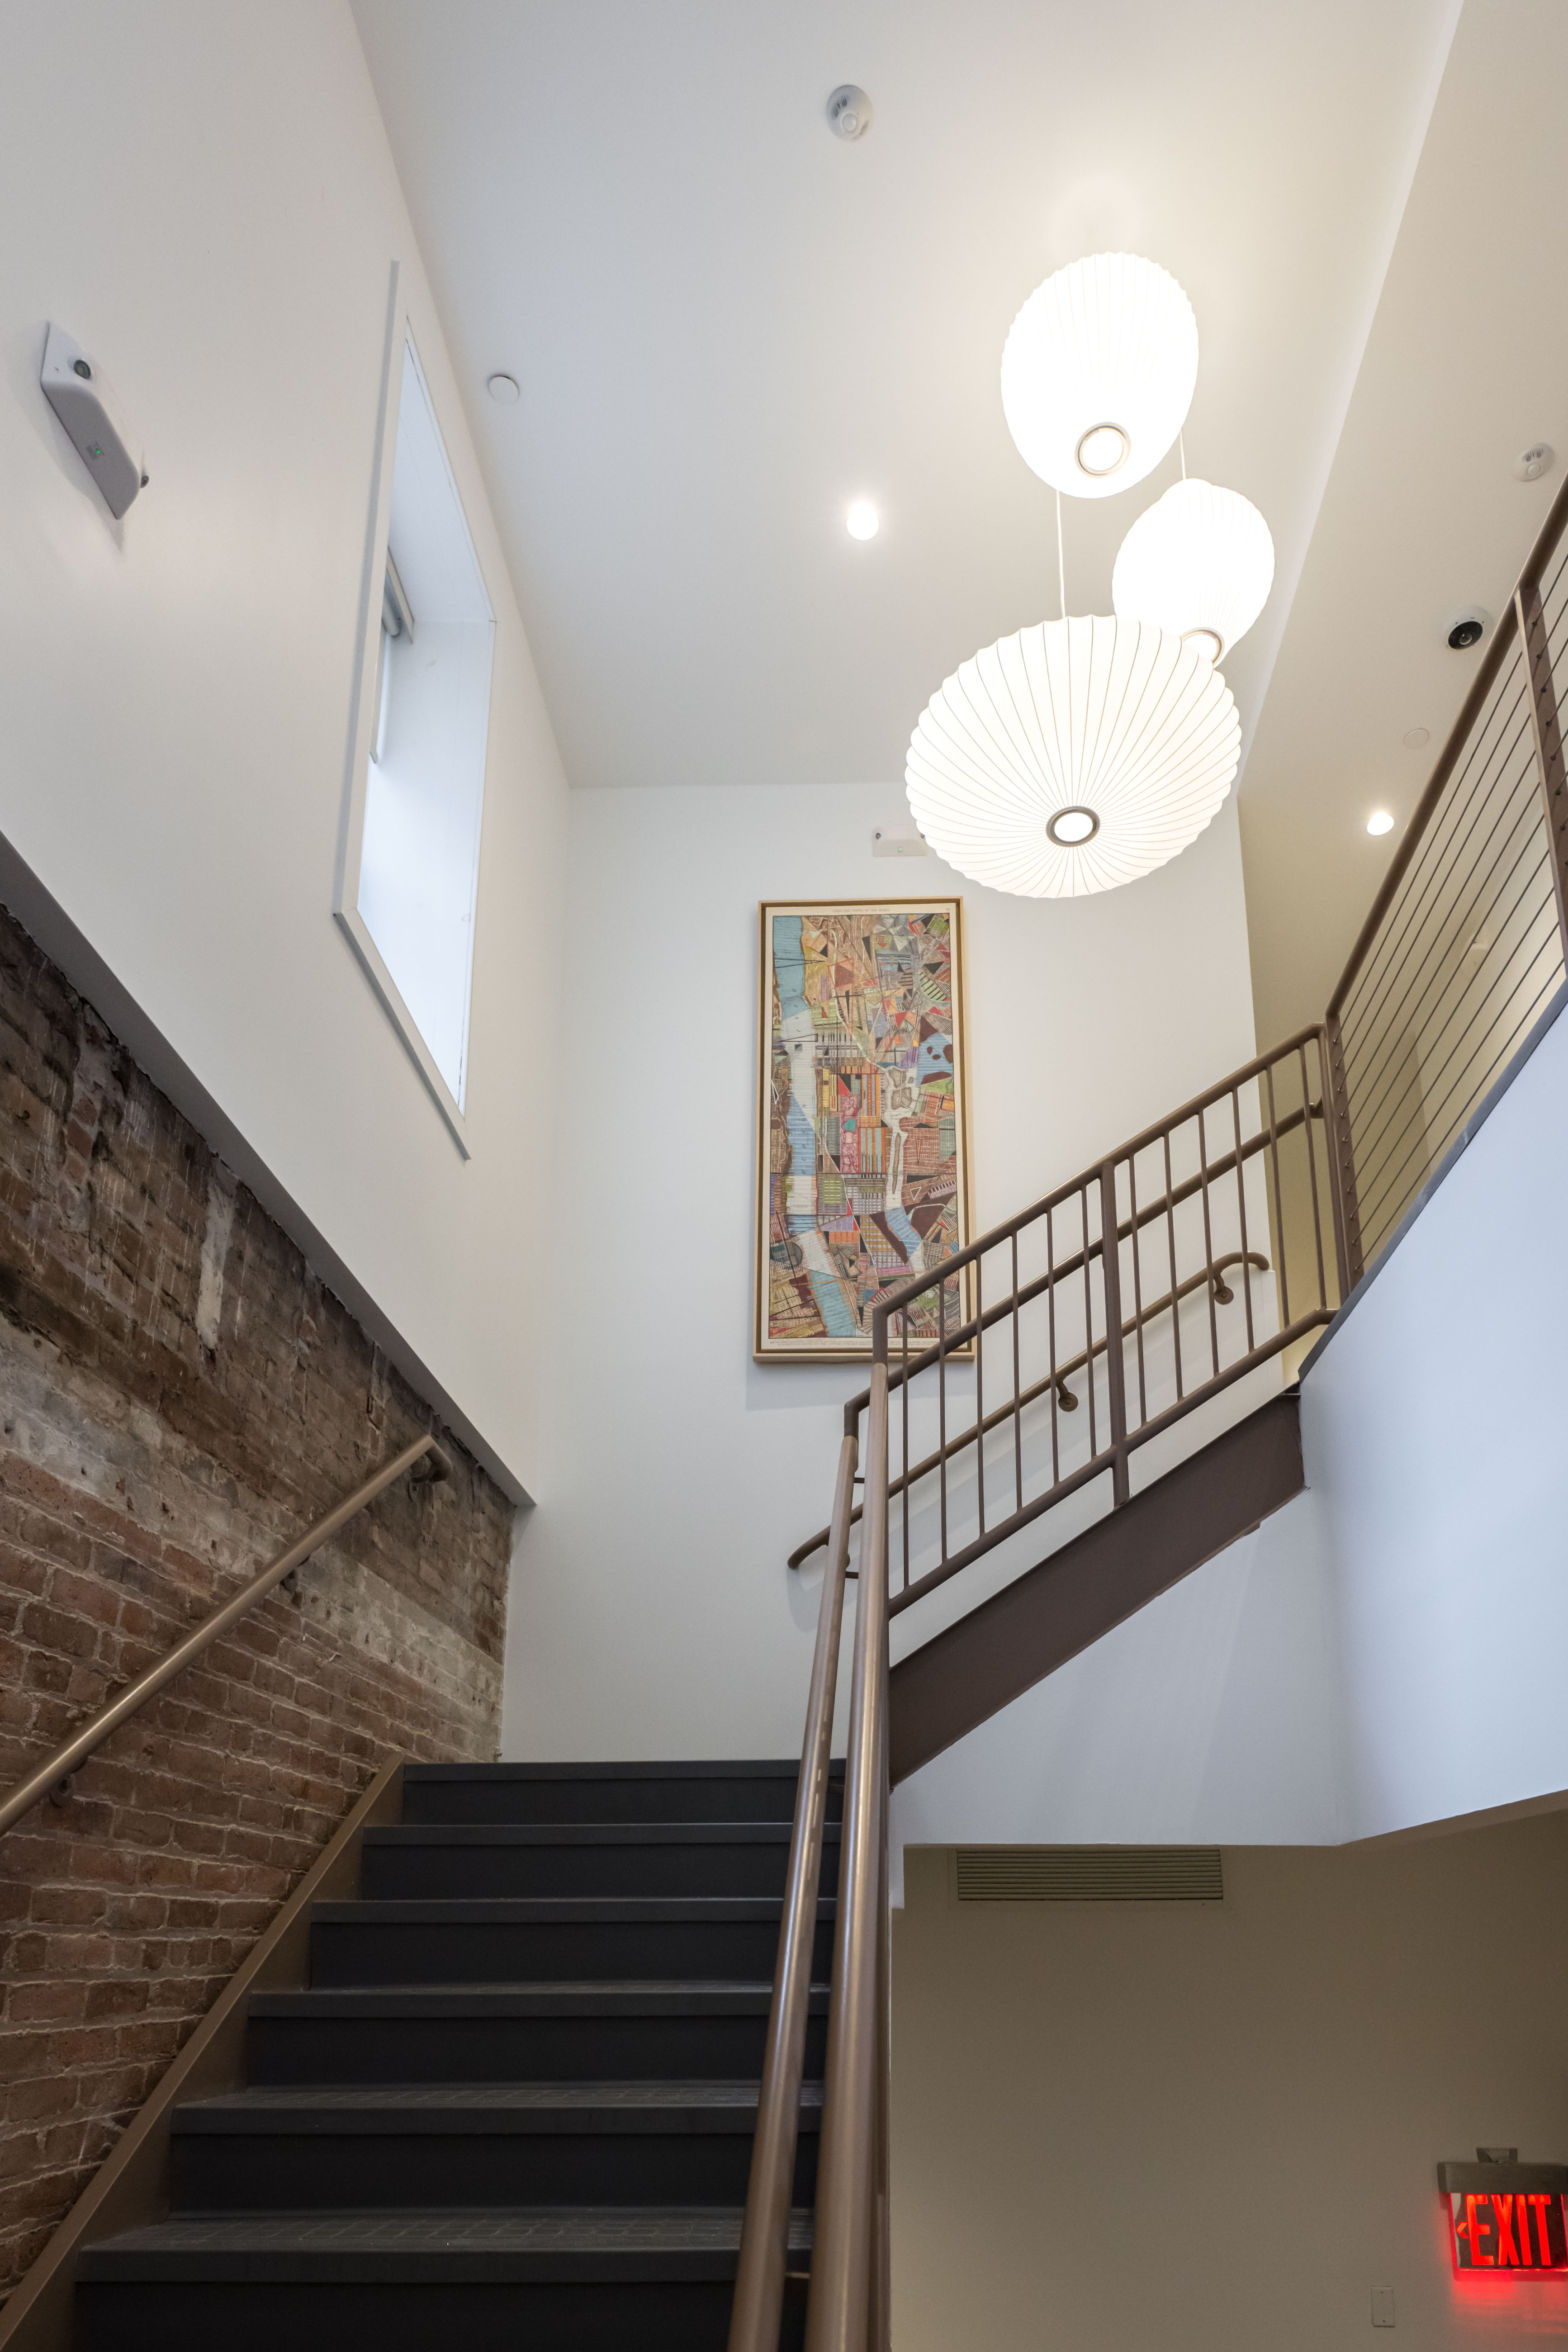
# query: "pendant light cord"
[1061,561]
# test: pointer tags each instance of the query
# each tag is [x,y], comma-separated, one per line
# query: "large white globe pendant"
[1200,563]
[1073,757]
[1098,373]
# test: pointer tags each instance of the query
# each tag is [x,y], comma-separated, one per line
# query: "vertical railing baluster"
[1088,1320]
[979,1395]
[1241,1209]
[1137,1285]
[1115,1363]
[1051,1339]
[941,1401]
[1018,1385]
[1208,1244]
[904,1386]
[1171,1251]
[1313,1171]
[1280,1272]
[1342,1158]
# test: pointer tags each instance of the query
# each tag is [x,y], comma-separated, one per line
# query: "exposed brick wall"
[179,1397]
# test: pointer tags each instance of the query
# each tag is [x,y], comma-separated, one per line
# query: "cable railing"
[1092,1324]
[1463,950]
[50,1777]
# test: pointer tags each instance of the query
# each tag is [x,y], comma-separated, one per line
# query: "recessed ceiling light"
[1380,822]
[503,388]
[1415,737]
[861,519]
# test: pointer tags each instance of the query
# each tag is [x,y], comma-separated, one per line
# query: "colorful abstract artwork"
[862,1149]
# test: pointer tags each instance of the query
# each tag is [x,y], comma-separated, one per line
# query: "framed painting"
[862,1127]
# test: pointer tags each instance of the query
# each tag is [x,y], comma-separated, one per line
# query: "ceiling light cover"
[1200,563]
[1107,715]
[1108,346]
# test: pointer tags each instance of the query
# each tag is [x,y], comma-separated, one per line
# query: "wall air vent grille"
[1089,1874]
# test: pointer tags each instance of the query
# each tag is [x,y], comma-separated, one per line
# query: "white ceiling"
[1466,366]
[727,324]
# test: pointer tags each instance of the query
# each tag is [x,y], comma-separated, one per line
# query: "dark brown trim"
[963,1676]
[132,2186]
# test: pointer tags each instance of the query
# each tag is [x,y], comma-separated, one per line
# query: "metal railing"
[1463,948]
[48,1778]
[1109,1299]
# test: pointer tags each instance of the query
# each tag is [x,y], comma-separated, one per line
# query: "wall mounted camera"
[78,391]
[1467,628]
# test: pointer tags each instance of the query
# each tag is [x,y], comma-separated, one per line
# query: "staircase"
[515,2103]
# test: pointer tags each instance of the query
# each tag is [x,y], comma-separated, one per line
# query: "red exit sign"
[1507,2218]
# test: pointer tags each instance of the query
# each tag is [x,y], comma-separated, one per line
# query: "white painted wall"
[1433,1432]
[209,203]
[653,1613]
[1212,2128]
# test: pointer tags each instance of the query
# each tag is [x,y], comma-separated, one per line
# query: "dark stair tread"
[610,1833]
[574,1997]
[546,1910]
[697,2106]
[539,2243]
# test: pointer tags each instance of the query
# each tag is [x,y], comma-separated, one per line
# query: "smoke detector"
[1532,463]
[849,111]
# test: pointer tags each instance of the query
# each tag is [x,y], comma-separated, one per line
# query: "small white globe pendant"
[1200,563]
[1073,757]
[1098,373]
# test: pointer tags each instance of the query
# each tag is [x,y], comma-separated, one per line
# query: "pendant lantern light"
[1098,373]
[1072,757]
[1200,563]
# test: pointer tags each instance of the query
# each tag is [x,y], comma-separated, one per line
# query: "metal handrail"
[849,2292]
[63,1760]
[764,2234]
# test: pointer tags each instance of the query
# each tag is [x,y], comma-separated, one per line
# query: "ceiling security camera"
[1467,628]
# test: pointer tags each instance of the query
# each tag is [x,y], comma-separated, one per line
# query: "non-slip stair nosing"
[558,1910]
[768,1769]
[308,2122]
[366,2266]
[568,2000]
[412,2246]
[589,1833]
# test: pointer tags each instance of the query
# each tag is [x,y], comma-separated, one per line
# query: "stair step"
[443,2033]
[517,1938]
[457,1860]
[663,1792]
[471,2143]
[570,2242]
[557,2279]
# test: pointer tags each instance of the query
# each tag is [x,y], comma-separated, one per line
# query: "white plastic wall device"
[78,393]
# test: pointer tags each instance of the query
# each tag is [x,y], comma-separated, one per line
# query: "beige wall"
[1161,2127]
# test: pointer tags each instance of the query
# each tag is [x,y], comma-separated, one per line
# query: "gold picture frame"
[862,1069]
